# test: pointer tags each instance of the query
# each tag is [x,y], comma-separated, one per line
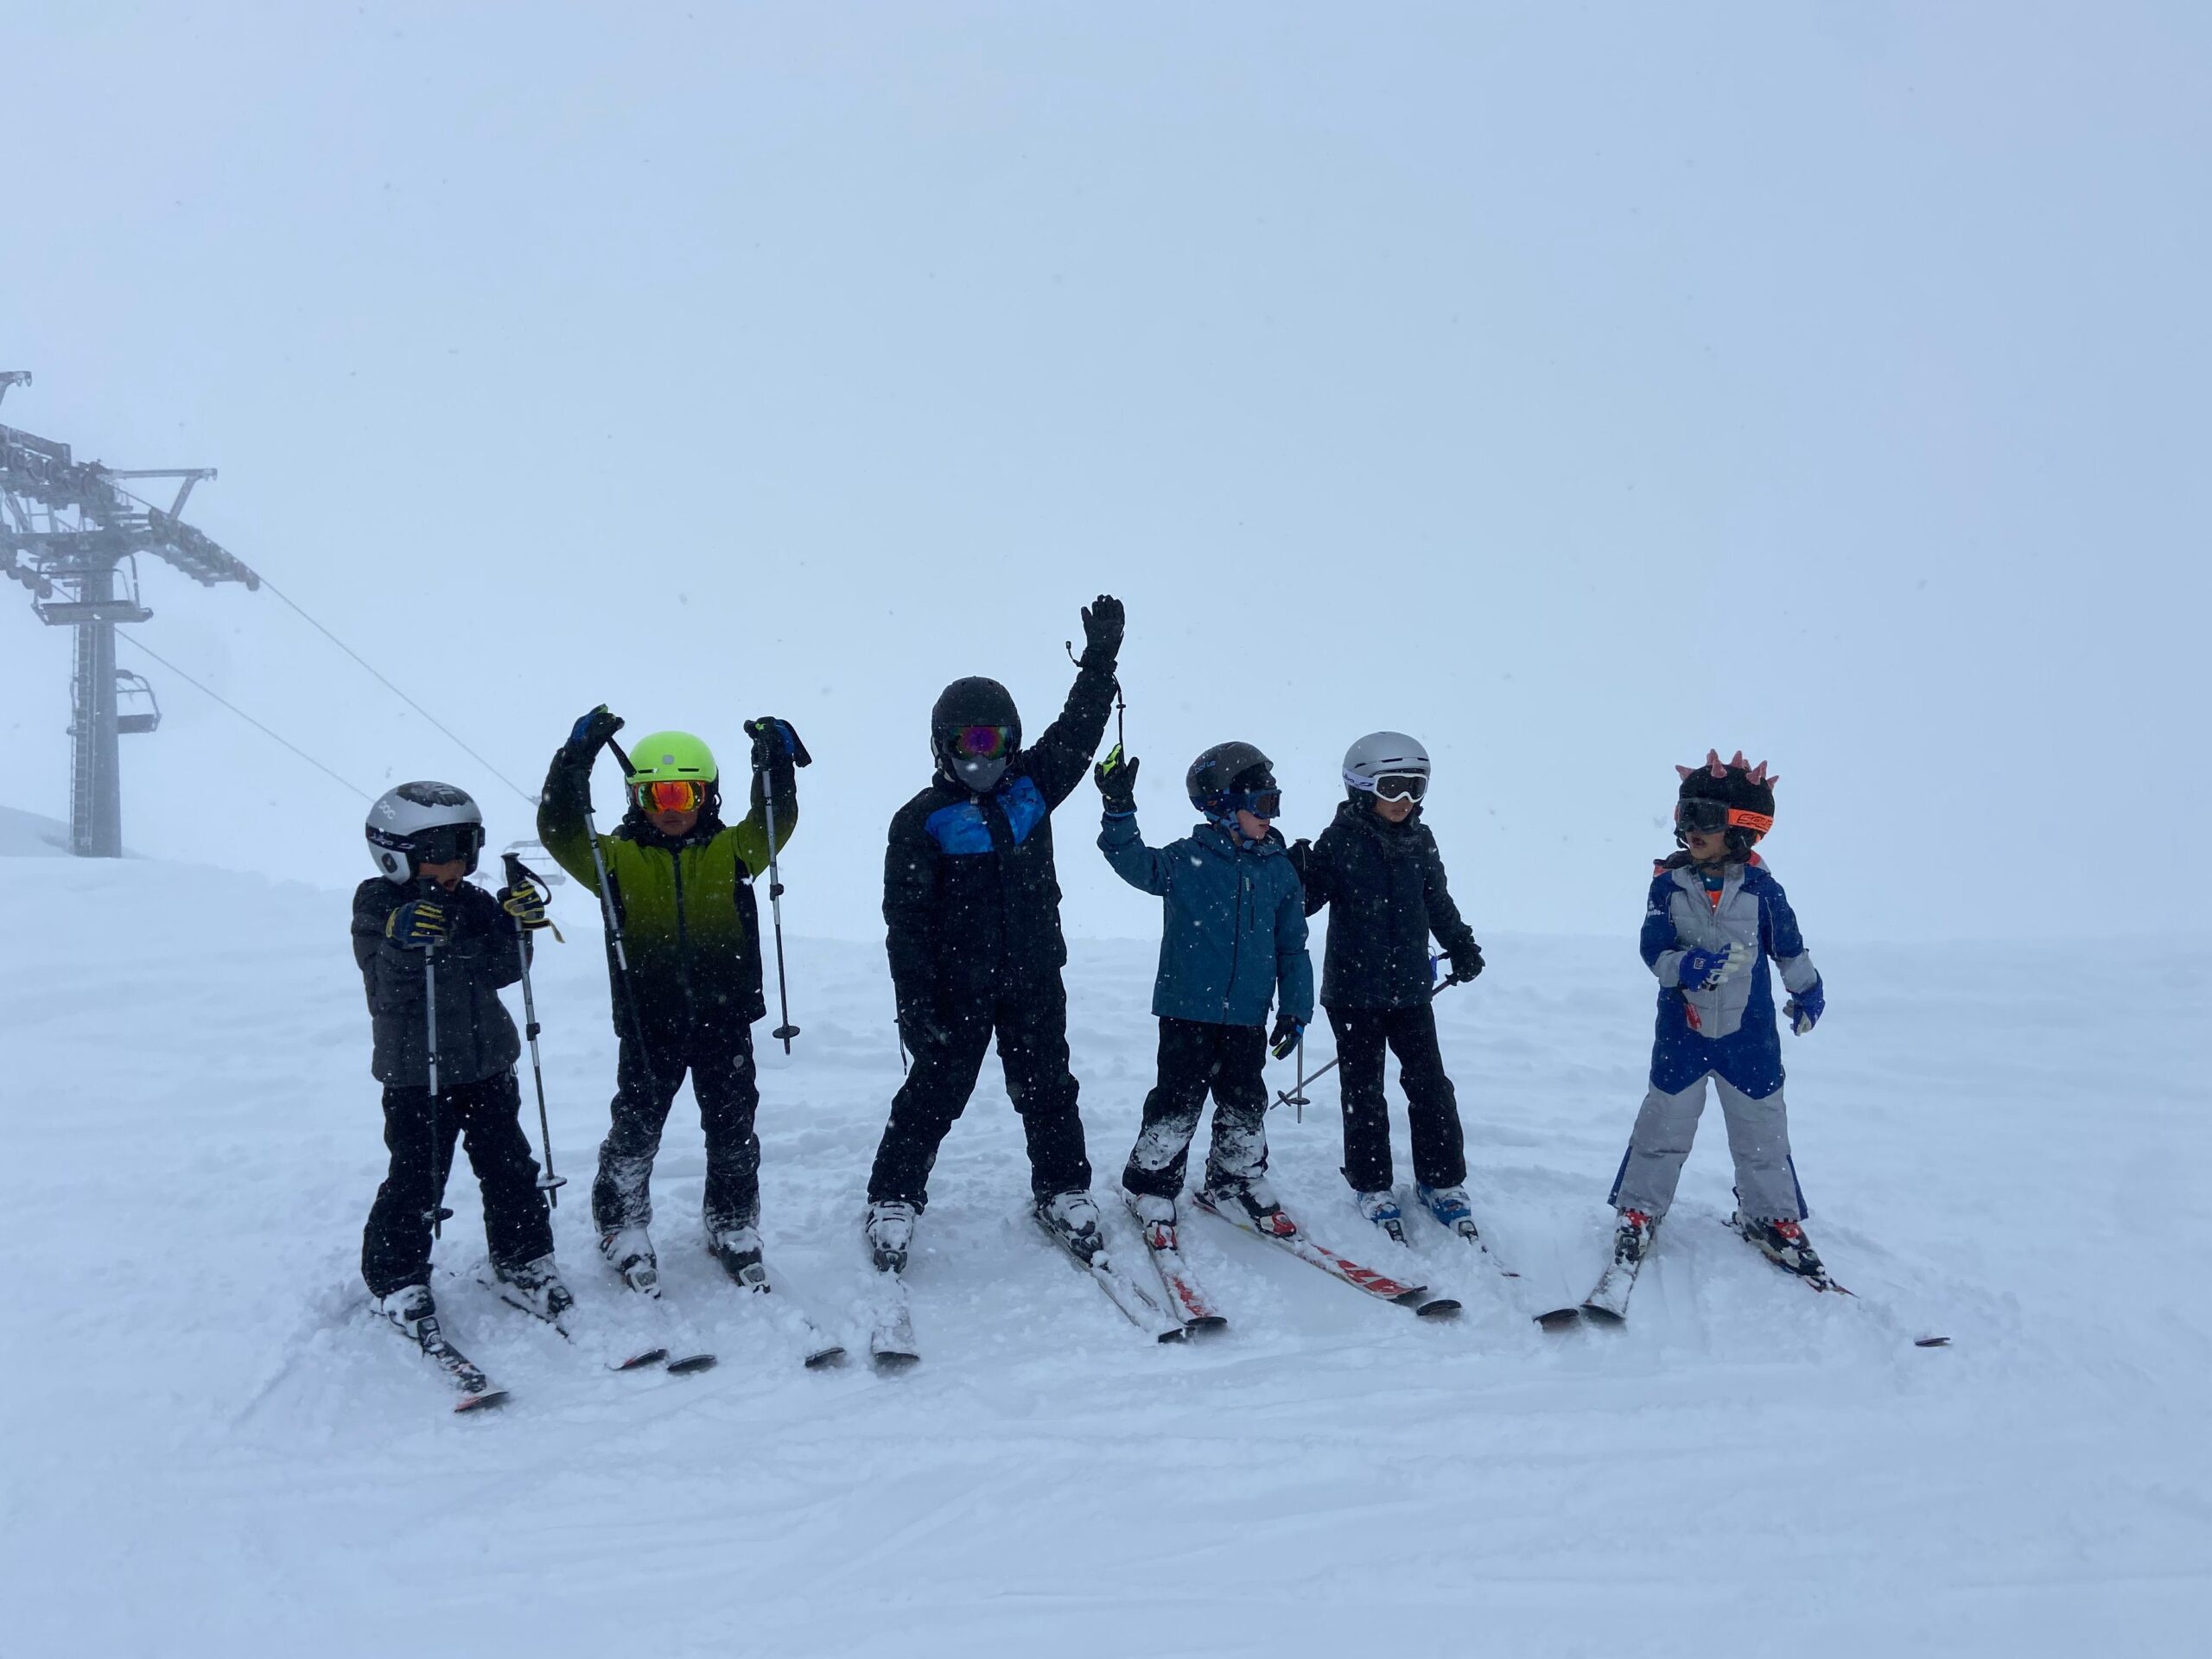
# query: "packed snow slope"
[211,1447]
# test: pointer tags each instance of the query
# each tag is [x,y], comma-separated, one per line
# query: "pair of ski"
[477,1391]
[1607,1302]
[1280,1229]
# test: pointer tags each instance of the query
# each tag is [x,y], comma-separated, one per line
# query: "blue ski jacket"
[1728,1028]
[1233,929]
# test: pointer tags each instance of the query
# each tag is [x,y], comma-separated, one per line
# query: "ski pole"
[1121,708]
[520,881]
[437,1214]
[785,1032]
[614,919]
[1296,1095]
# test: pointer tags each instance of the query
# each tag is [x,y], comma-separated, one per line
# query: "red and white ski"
[1186,1297]
[1291,1237]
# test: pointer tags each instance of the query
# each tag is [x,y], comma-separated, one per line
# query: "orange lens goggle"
[682,795]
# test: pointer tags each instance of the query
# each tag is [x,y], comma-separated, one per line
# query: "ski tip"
[824,1358]
[481,1401]
[1931,1342]
[690,1363]
[887,1361]
[639,1362]
[1205,1324]
[1561,1318]
[1437,1307]
[1174,1334]
[1597,1315]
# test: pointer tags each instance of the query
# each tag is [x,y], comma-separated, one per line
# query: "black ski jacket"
[476,1035]
[971,898]
[1384,885]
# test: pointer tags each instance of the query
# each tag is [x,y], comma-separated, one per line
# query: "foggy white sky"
[1573,387]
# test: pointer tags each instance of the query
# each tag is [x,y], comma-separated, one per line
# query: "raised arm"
[1062,751]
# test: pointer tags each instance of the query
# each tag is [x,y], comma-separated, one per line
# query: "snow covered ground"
[208,1444]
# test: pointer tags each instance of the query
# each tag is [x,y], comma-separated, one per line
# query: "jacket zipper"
[683,937]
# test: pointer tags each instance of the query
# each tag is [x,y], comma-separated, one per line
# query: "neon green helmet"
[671,757]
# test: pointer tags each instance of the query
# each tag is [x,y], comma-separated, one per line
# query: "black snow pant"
[487,1117]
[719,1056]
[1431,1107]
[1032,1038]
[1196,1058]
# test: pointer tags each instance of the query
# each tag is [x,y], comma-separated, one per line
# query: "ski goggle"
[982,742]
[672,795]
[1260,803]
[1402,785]
[1706,817]
[443,843]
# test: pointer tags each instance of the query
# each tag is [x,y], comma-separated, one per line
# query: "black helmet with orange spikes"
[1733,796]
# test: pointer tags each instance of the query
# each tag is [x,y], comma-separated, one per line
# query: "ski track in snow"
[214,1443]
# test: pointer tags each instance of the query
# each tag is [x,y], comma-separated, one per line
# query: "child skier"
[1233,941]
[1714,916]
[1377,868]
[687,998]
[971,909]
[422,931]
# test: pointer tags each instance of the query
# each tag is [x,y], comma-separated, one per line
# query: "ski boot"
[1072,1219]
[1784,1243]
[1632,1238]
[1155,1219]
[1449,1205]
[1254,1199]
[737,1248]
[891,1233]
[629,1251]
[412,1313]
[1382,1209]
[535,1288]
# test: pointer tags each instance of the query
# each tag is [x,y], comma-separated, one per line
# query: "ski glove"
[1804,1009]
[590,734]
[527,906]
[1467,965]
[1297,853]
[1102,623]
[417,925]
[775,744]
[1284,1038]
[1702,969]
[1116,779]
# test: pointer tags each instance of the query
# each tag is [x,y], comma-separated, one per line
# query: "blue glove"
[417,925]
[775,743]
[1284,1038]
[590,734]
[1702,969]
[1804,1009]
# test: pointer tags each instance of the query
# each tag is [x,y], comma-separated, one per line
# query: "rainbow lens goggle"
[670,795]
[982,742]
[1706,817]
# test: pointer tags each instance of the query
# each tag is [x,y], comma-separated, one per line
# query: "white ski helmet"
[1386,754]
[422,823]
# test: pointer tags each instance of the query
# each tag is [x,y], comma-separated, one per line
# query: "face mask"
[979,774]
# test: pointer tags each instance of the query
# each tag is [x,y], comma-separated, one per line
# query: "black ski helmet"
[975,700]
[1224,767]
[1741,793]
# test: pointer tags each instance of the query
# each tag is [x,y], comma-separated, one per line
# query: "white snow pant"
[1758,1139]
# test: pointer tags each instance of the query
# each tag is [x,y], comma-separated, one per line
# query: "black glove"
[1298,852]
[590,734]
[1285,1036]
[1116,779]
[1467,965]
[417,925]
[775,744]
[1103,622]
[526,905]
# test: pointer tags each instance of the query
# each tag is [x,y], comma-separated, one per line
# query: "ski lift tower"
[72,536]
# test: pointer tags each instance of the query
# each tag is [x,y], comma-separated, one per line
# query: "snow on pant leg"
[728,1088]
[1240,1105]
[1171,1110]
[1758,1139]
[938,1081]
[1033,1049]
[1432,1104]
[516,1226]
[1657,1148]
[645,1083]
[395,1242]
[1360,1036]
